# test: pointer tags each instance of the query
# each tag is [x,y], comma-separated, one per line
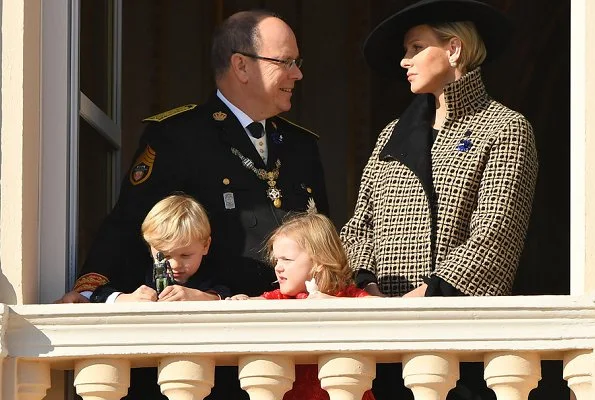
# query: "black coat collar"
[411,140]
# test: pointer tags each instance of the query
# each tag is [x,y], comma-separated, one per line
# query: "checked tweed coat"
[459,211]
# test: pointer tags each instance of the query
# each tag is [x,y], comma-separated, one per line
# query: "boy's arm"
[109,294]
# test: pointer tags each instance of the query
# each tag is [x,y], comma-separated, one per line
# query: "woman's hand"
[143,293]
[419,291]
[373,290]
[181,293]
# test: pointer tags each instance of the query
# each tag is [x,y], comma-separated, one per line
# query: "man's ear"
[239,67]
[455,46]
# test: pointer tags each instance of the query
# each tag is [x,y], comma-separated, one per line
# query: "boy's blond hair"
[317,235]
[176,221]
[473,52]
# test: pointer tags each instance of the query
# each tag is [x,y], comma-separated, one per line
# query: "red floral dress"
[307,385]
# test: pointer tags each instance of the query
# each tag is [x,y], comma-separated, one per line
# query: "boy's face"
[184,261]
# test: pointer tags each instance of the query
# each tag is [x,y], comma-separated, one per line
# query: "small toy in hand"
[162,273]
[311,286]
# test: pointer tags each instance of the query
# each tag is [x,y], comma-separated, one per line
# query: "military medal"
[273,192]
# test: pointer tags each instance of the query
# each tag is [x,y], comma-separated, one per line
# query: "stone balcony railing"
[345,337]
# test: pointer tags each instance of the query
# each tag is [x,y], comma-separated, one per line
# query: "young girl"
[306,249]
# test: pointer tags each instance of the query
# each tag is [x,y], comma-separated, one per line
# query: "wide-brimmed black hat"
[383,47]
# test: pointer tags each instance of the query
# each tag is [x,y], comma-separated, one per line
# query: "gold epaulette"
[298,126]
[166,114]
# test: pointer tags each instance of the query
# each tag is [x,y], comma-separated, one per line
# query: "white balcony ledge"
[385,328]
[345,337]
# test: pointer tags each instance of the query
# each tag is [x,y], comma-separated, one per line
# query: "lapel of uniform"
[232,132]
[275,138]
[411,144]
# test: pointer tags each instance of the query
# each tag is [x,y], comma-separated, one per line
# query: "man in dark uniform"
[244,164]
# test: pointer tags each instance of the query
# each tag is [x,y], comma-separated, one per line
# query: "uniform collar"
[244,119]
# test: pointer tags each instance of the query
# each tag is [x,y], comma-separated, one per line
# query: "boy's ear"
[207,245]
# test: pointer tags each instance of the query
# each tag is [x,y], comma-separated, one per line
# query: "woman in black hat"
[446,196]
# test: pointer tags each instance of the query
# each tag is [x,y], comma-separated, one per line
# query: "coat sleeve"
[486,263]
[357,234]
[118,253]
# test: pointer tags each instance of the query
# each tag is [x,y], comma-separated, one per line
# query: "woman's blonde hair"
[473,51]
[176,221]
[317,235]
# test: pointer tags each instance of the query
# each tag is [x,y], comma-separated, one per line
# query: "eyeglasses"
[289,63]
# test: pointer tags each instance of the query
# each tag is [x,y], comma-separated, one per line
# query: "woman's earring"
[453,63]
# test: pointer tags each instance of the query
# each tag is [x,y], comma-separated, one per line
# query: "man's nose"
[297,73]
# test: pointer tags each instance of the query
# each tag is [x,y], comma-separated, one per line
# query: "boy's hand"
[143,293]
[181,293]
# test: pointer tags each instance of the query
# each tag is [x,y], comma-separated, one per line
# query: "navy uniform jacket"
[190,150]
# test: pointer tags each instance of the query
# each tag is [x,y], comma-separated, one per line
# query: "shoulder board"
[298,126]
[166,114]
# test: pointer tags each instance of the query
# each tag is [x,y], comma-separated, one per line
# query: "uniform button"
[309,189]
[226,181]
[261,150]
[260,143]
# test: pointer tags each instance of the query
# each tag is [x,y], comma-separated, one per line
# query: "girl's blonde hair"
[317,235]
[176,221]
[473,51]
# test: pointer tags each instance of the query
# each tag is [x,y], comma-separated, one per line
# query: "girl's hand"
[181,293]
[238,297]
[143,293]
[319,295]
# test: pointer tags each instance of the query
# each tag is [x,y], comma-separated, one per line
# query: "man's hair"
[176,221]
[317,235]
[239,32]
[473,51]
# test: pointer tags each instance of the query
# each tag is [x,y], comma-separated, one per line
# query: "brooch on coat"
[276,136]
[465,144]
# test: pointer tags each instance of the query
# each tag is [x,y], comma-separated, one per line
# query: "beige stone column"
[33,379]
[102,379]
[430,376]
[512,375]
[346,376]
[266,377]
[20,142]
[578,371]
[186,378]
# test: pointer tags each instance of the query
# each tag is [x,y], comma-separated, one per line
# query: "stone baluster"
[33,379]
[578,371]
[266,377]
[430,376]
[346,376]
[102,379]
[186,378]
[512,375]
